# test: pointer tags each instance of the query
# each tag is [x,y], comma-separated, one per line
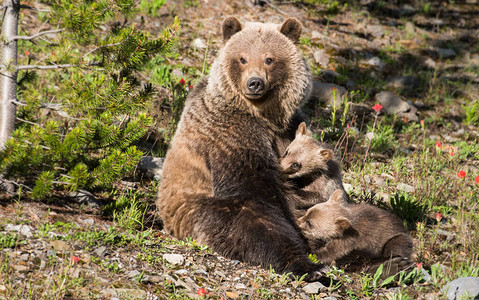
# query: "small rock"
[376,62]
[465,287]
[321,58]
[348,187]
[330,76]
[430,63]
[177,73]
[406,84]
[199,44]
[446,53]
[392,104]
[405,188]
[85,197]
[181,272]
[328,93]
[313,287]
[59,245]
[152,279]
[100,251]
[89,221]
[317,35]
[240,286]
[174,259]
[359,109]
[51,253]
[22,229]
[410,28]
[376,30]
[20,268]
[133,273]
[449,235]
[151,166]
[425,275]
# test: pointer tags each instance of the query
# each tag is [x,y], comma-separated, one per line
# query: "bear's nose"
[255,85]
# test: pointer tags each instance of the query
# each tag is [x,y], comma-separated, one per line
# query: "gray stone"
[348,187]
[240,286]
[174,259]
[100,251]
[449,235]
[133,273]
[329,76]
[199,44]
[403,83]
[462,288]
[446,53]
[22,229]
[321,58]
[85,197]
[151,166]
[392,104]
[430,63]
[376,30]
[89,221]
[181,272]
[313,287]
[410,28]
[376,62]
[425,275]
[405,188]
[328,93]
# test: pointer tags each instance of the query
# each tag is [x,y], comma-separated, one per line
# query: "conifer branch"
[31,37]
[100,47]
[34,8]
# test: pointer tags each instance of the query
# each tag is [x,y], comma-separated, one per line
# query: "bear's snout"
[255,85]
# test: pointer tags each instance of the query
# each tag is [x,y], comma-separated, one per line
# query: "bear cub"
[344,227]
[311,168]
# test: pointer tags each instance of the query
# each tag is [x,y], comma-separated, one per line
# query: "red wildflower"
[182,81]
[477,179]
[201,292]
[451,151]
[438,144]
[419,265]
[438,217]
[461,174]
[422,122]
[27,53]
[76,259]
[191,86]
[377,107]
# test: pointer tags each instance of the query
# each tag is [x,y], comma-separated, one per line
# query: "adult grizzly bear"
[222,183]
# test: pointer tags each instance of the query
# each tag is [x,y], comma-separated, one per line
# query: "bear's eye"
[243,61]
[268,61]
[295,166]
[285,153]
[308,224]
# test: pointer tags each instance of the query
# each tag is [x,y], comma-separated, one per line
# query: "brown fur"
[312,168]
[344,228]
[222,184]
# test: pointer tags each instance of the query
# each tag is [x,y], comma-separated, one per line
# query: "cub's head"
[304,155]
[328,220]
[261,64]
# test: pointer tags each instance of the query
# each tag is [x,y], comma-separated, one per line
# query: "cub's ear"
[292,28]
[326,154]
[342,223]
[301,129]
[231,25]
[337,197]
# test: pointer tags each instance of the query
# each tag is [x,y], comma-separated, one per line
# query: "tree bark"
[8,72]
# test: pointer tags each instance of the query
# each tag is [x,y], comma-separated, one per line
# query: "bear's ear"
[301,129]
[326,154]
[342,223]
[337,197]
[231,25]
[291,28]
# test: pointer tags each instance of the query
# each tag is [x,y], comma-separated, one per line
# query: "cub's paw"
[317,275]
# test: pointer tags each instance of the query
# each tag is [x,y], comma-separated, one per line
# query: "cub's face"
[304,156]
[259,57]
[326,221]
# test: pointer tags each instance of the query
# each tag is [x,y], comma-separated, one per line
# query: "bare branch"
[34,8]
[31,37]
[28,122]
[36,67]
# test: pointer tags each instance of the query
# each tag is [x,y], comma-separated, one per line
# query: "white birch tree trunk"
[8,72]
